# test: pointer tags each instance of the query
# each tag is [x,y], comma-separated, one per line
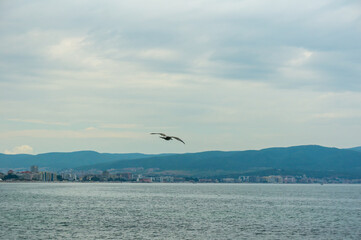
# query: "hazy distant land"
[310,160]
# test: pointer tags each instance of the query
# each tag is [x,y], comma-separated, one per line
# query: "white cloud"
[23,149]
[301,58]
[73,50]
[158,54]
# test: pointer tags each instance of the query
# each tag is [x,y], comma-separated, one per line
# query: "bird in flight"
[165,137]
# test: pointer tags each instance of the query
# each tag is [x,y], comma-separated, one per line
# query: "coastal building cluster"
[149,177]
[33,175]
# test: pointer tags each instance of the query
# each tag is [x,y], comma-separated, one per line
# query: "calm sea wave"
[179,211]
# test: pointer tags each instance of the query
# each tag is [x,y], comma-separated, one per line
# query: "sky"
[221,75]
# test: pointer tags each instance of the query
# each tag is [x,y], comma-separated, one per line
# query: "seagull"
[165,137]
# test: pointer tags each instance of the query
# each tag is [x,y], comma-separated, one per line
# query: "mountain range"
[58,160]
[309,159]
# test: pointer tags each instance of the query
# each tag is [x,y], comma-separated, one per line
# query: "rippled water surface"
[179,211]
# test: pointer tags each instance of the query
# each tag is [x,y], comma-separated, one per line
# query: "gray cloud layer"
[278,72]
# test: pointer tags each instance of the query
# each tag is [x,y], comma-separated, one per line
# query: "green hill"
[310,158]
[57,161]
[358,149]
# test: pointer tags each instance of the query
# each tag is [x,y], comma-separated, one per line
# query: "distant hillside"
[311,159]
[299,158]
[57,161]
[356,149]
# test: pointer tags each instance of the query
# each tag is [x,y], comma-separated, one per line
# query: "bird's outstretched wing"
[177,138]
[159,134]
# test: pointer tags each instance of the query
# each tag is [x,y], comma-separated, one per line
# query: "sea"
[179,211]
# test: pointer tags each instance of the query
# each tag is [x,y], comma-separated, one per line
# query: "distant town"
[34,175]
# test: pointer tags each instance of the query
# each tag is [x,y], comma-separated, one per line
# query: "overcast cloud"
[222,75]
